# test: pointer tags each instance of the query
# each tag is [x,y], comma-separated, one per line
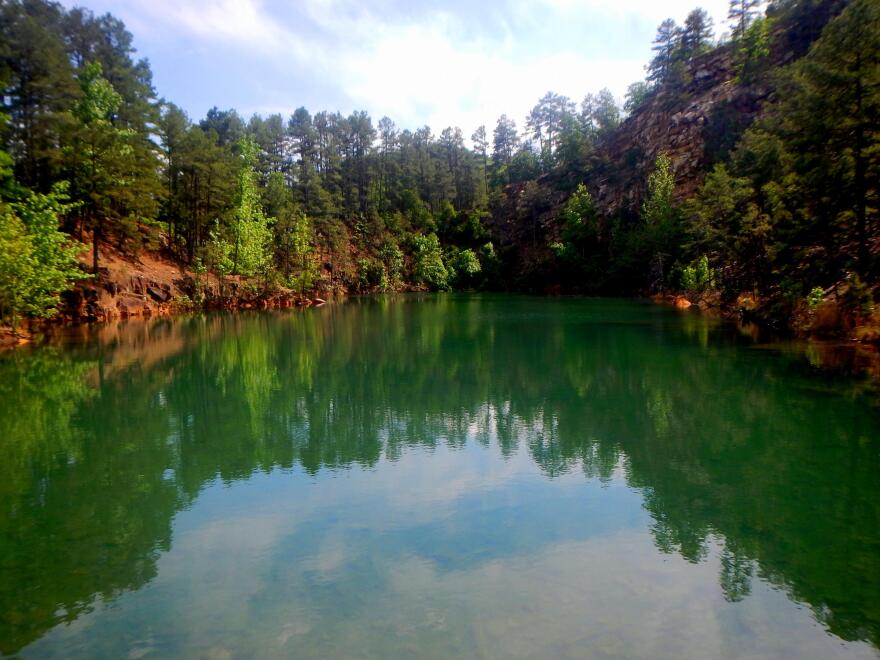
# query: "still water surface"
[469,476]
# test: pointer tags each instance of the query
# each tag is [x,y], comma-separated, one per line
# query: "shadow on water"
[105,438]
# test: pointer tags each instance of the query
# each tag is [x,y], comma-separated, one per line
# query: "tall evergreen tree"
[740,14]
[666,43]
[37,87]
[600,113]
[697,33]
[545,122]
[110,182]
[172,128]
[830,120]
[636,94]
[481,146]
[505,141]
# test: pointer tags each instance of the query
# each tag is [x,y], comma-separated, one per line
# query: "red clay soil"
[151,284]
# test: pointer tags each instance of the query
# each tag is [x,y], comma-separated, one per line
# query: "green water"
[446,476]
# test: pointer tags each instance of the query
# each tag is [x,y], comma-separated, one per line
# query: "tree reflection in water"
[103,441]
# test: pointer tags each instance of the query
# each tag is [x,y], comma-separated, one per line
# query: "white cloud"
[237,23]
[429,65]
[644,9]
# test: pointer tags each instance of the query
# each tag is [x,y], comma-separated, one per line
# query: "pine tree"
[636,94]
[665,45]
[600,113]
[504,143]
[661,217]
[741,14]
[481,146]
[36,88]
[831,120]
[100,158]
[173,127]
[696,35]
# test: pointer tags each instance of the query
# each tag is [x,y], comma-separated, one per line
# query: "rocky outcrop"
[150,285]
[696,121]
[700,118]
[678,123]
[110,299]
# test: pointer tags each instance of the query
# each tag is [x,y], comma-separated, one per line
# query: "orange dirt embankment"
[151,284]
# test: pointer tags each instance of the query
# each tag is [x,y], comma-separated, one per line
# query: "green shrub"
[698,277]
[371,275]
[428,266]
[815,298]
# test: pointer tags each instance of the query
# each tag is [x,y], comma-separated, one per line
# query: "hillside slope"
[695,121]
[698,122]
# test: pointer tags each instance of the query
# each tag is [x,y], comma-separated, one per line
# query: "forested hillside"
[742,173]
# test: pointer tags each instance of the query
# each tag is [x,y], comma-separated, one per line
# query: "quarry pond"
[436,476]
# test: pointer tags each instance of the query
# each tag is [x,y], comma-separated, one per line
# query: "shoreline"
[834,357]
[36,330]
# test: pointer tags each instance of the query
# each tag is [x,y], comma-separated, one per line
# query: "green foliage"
[111,167]
[636,94]
[665,46]
[697,33]
[741,13]
[37,261]
[580,248]
[600,112]
[524,166]
[217,252]
[793,204]
[293,236]
[17,266]
[504,141]
[490,265]
[546,122]
[725,223]
[698,277]
[579,211]
[815,298]
[659,206]
[661,238]
[247,247]
[200,271]
[754,49]
[428,266]
[295,240]
[99,101]
[463,267]
[791,200]
[392,259]
[371,275]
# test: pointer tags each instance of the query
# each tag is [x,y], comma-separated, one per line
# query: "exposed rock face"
[675,123]
[150,285]
[699,121]
[696,122]
[161,294]
[112,301]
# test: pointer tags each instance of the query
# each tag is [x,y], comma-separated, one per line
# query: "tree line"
[338,201]
[787,217]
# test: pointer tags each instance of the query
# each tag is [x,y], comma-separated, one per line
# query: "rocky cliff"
[698,120]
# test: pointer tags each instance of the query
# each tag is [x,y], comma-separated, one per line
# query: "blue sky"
[456,63]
